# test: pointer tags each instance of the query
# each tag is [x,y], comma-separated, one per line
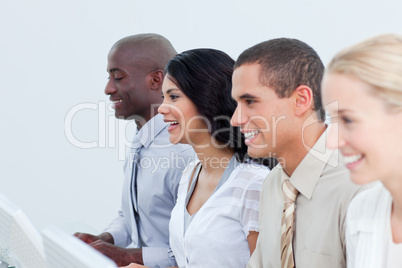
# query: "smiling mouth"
[351,159]
[118,101]
[250,134]
[172,123]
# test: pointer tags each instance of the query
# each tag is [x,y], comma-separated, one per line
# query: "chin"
[361,178]
[173,140]
[117,115]
[121,116]
[257,153]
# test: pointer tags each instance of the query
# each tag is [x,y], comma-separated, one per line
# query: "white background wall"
[53,58]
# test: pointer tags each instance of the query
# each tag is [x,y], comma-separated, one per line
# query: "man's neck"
[142,119]
[292,157]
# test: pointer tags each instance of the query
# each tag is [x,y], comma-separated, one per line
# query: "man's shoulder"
[253,168]
[182,149]
[336,174]
[275,173]
[250,175]
[161,143]
[273,179]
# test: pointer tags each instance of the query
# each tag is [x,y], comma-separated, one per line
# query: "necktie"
[135,151]
[131,191]
[289,196]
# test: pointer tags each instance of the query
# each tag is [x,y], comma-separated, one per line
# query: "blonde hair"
[377,62]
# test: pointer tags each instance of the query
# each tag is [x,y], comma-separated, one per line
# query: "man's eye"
[118,78]
[250,101]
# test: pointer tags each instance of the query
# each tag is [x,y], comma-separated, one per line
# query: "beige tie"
[288,218]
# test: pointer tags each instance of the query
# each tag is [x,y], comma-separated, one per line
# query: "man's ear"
[303,100]
[156,80]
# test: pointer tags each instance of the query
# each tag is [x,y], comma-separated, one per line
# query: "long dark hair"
[205,77]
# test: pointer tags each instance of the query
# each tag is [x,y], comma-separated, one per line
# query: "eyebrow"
[113,70]
[341,111]
[247,96]
[170,90]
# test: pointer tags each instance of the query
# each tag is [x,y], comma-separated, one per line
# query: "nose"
[110,87]
[335,139]
[238,118]
[163,109]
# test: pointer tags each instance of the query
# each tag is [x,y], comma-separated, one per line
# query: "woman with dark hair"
[215,220]
[204,77]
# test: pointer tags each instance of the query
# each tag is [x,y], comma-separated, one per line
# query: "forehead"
[247,73]
[246,80]
[341,91]
[169,84]
[336,86]
[123,57]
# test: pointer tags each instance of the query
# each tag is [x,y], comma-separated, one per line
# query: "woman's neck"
[213,159]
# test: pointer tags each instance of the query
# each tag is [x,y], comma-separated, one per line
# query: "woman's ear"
[303,100]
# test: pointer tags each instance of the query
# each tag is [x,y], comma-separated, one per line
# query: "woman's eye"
[173,97]
[346,120]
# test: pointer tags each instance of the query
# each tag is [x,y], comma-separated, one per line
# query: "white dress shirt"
[368,230]
[217,234]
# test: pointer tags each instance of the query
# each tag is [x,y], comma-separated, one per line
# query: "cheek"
[266,137]
[360,142]
[195,122]
[192,118]
[382,147]
[370,145]
[177,113]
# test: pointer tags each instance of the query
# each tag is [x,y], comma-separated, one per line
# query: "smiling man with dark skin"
[140,233]
[135,67]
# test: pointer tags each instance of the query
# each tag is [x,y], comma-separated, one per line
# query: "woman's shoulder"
[366,203]
[186,174]
[190,166]
[250,170]
[249,176]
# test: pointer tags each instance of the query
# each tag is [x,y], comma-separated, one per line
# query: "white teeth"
[117,101]
[250,134]
[172,123]
[351,158]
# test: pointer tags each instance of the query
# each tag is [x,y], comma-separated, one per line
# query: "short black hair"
[286,64]
[205,77]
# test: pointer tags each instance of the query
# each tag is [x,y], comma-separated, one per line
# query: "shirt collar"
[307,173]
[150,130]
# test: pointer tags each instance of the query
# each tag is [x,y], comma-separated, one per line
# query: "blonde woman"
[362,91]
